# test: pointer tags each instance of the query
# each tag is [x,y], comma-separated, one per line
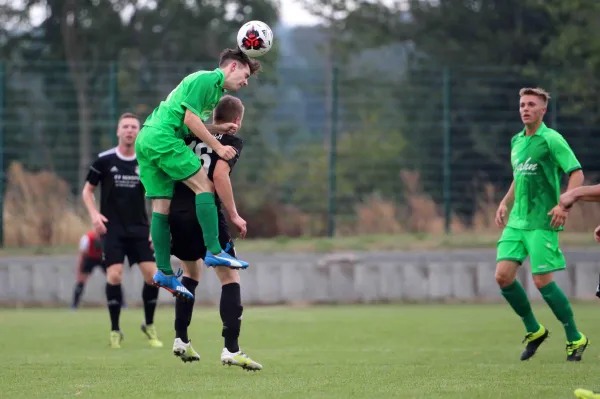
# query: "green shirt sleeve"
[562,154]
[198,92]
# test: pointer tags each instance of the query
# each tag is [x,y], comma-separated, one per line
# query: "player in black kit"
[188,244]
[122,223]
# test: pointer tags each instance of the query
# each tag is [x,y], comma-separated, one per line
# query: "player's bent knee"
[227,275]
[506,273]
[161,205]
[114,274]
[199,183]
[542,280]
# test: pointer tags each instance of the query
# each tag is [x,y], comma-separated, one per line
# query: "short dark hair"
[128,115]
[228,109]
[230,55]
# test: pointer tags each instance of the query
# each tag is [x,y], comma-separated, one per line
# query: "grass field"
[399,351]
[405,242]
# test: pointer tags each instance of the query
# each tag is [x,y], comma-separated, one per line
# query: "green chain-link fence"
[336,151]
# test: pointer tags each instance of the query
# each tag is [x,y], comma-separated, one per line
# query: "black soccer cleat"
[598,291]
[534,340]
[575,349]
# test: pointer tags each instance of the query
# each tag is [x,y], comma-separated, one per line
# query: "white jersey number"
[203,155]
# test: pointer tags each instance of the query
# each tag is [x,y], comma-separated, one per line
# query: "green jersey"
[199,92]
[537,163]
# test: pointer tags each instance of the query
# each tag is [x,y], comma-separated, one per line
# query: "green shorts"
[541,246]
[163,159]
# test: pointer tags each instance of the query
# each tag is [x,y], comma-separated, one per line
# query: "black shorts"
[90,263]
[187,242]
[116,245]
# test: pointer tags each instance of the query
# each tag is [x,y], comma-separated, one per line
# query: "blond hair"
[538,92]
[128,115]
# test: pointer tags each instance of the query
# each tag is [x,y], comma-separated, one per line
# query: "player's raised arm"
[223,128]
[195,124]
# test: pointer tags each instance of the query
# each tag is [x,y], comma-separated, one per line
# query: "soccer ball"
[255,38]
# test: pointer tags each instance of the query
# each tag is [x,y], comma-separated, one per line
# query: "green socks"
[161,238]
[559,303]
[517,298]
[554,297]
[206,212]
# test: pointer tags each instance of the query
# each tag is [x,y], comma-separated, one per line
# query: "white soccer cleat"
[185,351]
[239,359]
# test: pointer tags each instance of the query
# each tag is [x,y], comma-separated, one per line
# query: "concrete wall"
[309,278]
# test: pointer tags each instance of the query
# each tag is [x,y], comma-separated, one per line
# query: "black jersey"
[183,196]
[122,194]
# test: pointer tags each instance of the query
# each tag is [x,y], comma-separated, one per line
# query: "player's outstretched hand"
[241,225]
[227,152]
[559,216]
[501,215]
[597,234]
[98,221]
[228,128]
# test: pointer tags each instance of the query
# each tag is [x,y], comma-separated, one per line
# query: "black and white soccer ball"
[255,38]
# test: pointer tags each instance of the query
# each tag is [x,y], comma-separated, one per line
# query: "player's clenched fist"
[227,152]
[228,128]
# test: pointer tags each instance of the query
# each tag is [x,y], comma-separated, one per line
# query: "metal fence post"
[332,153]
[114,98]
[2,149]
[447,170]
[554,105]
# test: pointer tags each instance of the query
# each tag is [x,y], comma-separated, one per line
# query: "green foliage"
[576,51]
[366,156]
[489,49]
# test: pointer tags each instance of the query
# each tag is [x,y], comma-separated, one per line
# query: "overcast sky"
[291,13]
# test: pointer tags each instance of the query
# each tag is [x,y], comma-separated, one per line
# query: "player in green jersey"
[164,158]
[538,156]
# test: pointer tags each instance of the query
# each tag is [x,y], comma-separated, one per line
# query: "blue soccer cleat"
[172,284]
[224,259]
